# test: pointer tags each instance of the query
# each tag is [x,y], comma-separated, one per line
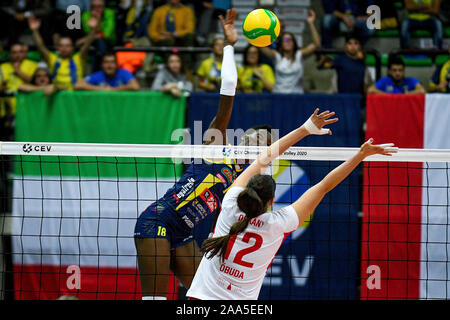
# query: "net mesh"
[69,213]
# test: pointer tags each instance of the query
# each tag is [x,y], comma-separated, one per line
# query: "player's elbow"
[322,188]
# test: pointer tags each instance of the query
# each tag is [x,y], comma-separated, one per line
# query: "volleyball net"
[69,211]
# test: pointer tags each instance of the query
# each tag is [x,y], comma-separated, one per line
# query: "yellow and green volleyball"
[261,27]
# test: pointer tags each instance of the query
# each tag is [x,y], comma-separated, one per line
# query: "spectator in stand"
[352,74]
[13,19]
[66,67]
[19,69]
[110,78]
[16,72]
[255,76]
[210,68]
[137,18]
[105,36]
[422,15]
[288,59]
[173,24]
[395,81]
[171,79]
[347,16]
[440,82]
[41,81]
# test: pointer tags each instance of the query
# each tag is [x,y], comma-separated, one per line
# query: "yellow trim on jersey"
[225,160]
[228,162]
[225,191]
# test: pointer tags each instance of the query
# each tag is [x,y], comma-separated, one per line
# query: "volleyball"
[261,27]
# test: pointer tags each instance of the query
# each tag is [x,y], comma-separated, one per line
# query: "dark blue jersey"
[200,190]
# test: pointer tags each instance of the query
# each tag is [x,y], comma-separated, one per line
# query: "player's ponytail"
[250,202]
[253,201]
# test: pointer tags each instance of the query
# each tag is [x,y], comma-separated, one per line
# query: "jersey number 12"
[238,259]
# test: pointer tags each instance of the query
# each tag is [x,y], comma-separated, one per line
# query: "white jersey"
[249,255]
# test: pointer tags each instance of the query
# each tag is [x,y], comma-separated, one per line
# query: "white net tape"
[209,151]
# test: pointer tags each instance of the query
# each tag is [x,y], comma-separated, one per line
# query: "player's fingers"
[329,115]
[391,150]
[385,151]
[323,114]
[315,112]
[386,145]
[329,121]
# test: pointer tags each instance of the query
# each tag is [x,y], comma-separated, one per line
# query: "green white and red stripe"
[82,210]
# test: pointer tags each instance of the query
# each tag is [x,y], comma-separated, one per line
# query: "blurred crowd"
[52,45]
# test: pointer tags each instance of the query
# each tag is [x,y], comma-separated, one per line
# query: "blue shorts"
[158,221]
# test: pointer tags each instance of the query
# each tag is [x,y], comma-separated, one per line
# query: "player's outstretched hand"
[230,33]
[368,149]
[317,121]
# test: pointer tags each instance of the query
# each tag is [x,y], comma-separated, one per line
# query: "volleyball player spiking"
[163,232]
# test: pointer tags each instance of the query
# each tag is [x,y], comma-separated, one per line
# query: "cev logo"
[226,152]
[27,148]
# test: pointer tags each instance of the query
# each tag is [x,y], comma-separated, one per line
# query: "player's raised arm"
[312,197]
[314,125]
[228,81]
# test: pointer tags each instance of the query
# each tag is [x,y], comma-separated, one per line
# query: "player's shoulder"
[285,218]
[230,199]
